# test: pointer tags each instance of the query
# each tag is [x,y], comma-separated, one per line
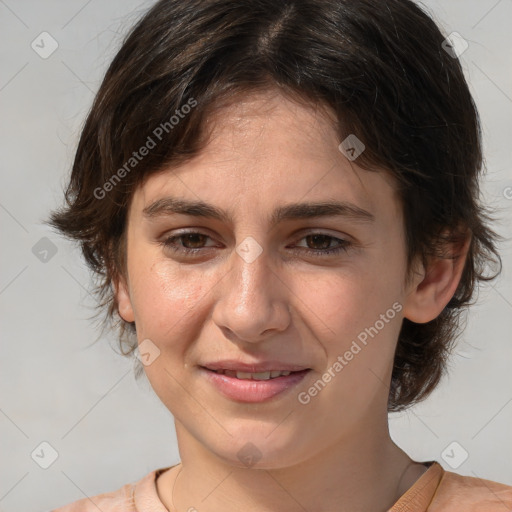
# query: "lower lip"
[252,391]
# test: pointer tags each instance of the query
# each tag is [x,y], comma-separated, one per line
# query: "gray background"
[82,398]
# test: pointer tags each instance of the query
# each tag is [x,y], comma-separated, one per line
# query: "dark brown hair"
[378,65]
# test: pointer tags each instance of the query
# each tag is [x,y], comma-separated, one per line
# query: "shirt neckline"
[419,496]
[416,498]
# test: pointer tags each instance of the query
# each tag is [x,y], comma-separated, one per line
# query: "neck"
[339,478]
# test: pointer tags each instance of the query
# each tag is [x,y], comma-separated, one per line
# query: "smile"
[255,376]
[253,387]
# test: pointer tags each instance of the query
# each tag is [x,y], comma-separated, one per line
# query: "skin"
[267,151]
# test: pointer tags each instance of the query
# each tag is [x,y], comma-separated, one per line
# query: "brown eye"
[193,240]
[319,244]
[190,242]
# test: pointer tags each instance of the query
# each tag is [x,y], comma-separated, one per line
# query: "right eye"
[193,238]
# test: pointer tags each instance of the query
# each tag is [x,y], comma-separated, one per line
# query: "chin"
[247,450]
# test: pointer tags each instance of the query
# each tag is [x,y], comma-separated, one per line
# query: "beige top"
[436,490]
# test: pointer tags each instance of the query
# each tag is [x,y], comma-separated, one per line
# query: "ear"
[124,303]
[431,291]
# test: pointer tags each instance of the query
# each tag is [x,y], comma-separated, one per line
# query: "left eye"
[191,236]
[325,240]
[197,240]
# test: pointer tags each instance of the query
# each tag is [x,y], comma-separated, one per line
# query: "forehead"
[266,150]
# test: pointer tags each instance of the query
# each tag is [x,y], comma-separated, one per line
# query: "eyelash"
[344,245]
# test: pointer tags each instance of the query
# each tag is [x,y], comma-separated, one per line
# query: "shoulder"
[116,501]
[120,500]
[471,494]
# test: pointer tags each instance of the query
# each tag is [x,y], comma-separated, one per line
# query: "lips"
[254,376]
[253,367]
[250,390]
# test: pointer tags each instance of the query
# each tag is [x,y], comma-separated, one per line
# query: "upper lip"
[262,366]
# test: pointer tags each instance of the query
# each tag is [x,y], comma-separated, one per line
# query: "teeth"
[255,376]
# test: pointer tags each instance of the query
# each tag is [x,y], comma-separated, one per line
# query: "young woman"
[281,201]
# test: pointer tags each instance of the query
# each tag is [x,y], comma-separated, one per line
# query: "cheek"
[360,316]
[342,304]
[364,320]
[164,295]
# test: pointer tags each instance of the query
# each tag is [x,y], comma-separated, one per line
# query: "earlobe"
[431,292]
[124,303]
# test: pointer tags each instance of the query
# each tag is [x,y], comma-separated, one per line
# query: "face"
[322,292]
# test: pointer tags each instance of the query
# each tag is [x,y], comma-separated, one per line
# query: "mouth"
[253,387]
[268,375]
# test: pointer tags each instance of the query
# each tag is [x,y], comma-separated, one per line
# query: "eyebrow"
[171,205]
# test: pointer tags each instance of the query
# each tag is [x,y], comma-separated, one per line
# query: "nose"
[253,300]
